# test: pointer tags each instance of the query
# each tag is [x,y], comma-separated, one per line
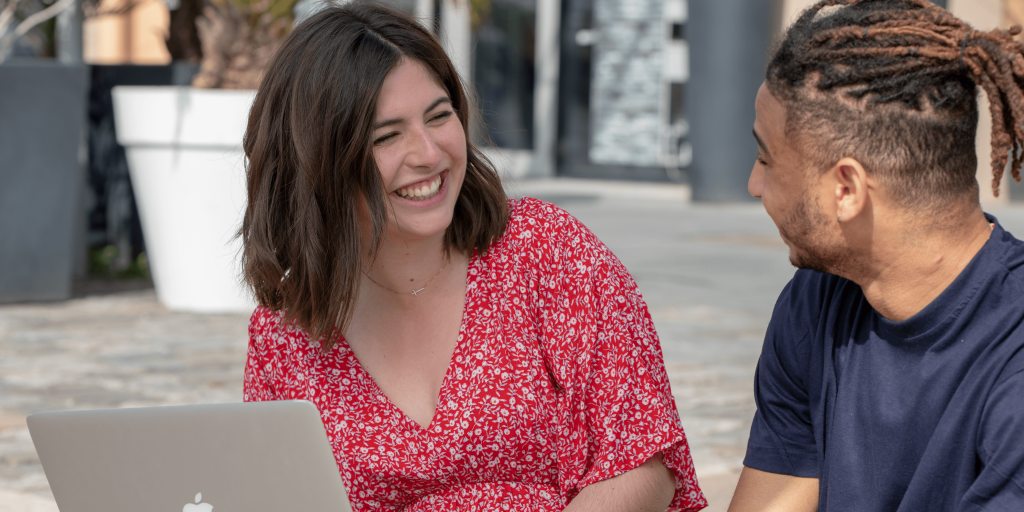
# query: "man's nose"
[755,185]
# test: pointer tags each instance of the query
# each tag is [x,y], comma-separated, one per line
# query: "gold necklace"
[414,292]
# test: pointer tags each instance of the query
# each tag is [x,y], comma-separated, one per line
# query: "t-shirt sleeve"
[999,486]
[257,386]
[615,409]
[782,434]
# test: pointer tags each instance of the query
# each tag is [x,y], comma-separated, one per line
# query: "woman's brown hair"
[308,145]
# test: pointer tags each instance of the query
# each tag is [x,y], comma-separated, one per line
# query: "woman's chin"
[421,228]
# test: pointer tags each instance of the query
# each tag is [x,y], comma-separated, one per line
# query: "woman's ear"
[851,189]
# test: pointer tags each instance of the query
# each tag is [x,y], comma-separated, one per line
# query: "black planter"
[42,156]
[113,219]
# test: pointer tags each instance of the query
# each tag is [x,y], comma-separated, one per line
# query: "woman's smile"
[423,190]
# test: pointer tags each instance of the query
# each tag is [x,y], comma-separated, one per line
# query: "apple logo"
[198,507]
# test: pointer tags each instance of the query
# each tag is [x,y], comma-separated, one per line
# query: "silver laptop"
[252,457]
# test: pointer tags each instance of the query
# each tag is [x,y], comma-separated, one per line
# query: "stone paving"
[710,275]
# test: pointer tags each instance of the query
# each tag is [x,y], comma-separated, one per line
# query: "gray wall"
[42,116]
[729,42]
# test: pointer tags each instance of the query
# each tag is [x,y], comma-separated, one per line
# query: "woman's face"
[420,149]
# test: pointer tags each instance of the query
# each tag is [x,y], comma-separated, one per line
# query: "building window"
[503,69]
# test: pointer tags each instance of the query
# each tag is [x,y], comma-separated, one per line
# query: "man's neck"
[909,272]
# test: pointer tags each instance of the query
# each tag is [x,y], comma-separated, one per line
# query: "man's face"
[790,190]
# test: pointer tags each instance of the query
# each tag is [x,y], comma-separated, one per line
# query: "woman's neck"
[404,266]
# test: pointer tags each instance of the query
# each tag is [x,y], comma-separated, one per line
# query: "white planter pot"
[184,151]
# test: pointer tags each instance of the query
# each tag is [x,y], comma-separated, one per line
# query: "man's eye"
[761,160]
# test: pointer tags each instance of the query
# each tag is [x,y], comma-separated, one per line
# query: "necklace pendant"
[414,292]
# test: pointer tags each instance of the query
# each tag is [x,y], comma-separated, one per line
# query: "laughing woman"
[466,352]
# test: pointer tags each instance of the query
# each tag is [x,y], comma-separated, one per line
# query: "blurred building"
[126,35]
[621,103]
[588,88]
[603,96]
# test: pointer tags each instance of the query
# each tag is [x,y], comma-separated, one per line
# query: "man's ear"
[851,188]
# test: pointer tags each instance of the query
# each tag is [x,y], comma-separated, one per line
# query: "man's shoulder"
[1012,257]
[1000,301]
[807,309]
[812,281]
[812,294]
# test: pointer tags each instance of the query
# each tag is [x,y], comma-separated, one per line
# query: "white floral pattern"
[557,382]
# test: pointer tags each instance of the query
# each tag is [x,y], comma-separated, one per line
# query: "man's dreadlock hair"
[893,83]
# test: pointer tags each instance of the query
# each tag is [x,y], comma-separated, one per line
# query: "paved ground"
[710,275]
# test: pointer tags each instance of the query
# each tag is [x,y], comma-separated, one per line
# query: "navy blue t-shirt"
[926,414]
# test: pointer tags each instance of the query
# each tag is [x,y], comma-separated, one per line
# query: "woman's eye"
[441,116]
[380,140]
[761,160]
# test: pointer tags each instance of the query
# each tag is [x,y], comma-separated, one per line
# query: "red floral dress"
[557,382]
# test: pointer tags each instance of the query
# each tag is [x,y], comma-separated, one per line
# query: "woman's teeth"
[421,191]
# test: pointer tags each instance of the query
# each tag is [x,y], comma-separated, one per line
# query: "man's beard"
[806,230]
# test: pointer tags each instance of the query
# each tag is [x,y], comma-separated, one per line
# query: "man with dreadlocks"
[892,374]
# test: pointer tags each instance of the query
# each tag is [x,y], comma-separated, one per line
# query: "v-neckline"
[460,341]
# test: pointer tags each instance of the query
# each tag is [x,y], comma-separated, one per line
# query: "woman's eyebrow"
[438,101]
[396,120]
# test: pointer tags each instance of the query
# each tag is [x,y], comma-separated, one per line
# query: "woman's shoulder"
[541,222]
[264,319]
[543,237]
[270,330]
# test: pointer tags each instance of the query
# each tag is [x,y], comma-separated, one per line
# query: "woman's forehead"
[409,85]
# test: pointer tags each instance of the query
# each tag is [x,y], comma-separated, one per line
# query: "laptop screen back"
[260,456]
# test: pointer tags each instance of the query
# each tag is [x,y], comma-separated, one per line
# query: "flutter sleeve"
[259,365]
[616,408]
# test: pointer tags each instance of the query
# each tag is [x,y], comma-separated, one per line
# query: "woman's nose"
[424,151]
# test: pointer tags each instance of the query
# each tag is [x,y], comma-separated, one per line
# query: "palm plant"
[17,18]
[238,39]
